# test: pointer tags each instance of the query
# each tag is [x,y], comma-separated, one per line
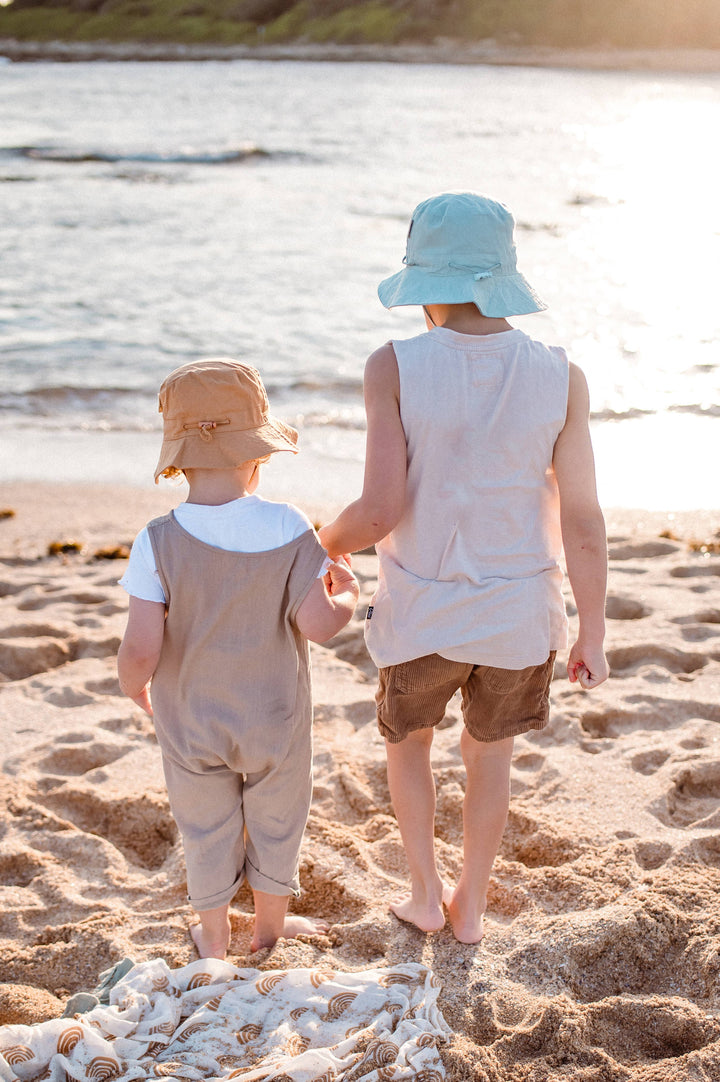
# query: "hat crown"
[462,228]
[460,250]
[204,390]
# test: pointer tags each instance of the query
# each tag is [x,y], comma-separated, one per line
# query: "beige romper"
[233,709]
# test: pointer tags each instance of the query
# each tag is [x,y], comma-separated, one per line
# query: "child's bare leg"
[273,922]
[212,935]
[412,790]
[485,809]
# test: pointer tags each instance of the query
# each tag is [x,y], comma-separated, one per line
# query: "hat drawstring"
[205,428]
[477,275]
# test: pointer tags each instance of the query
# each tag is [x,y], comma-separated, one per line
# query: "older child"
[479,467]
[224,593]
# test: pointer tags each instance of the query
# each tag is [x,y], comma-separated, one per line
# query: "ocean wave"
[619,415]
[73,156]
[42,401]
[695,408]
[25,426]
[134,409]
[313,384]
[712,410]
[329,419]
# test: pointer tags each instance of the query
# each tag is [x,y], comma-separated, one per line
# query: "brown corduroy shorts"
[496,703]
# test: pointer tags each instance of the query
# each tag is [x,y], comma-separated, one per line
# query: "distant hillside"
[633,24]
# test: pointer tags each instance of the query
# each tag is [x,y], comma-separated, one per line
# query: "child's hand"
[143,700]
[587,666]
[340,579]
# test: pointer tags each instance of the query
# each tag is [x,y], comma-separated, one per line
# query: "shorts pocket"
[536,677]
[503,681]
[423,674]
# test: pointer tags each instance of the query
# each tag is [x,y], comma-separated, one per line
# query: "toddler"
[224,592]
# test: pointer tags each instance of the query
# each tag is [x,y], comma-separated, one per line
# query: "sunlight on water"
[250,210]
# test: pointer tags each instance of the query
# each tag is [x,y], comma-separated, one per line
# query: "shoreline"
[443,51]
[102,514]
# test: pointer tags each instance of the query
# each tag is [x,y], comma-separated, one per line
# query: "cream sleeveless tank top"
[471,571]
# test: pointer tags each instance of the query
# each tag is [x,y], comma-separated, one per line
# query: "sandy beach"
[601,960]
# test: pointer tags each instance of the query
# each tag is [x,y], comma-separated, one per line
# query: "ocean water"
[153,213]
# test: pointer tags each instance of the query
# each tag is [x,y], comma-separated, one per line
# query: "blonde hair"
[173,474]
[177,476]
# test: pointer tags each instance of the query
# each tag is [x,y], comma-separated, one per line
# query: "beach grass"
[553,23]
[187,23]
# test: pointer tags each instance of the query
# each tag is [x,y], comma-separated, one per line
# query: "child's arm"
[583,532]
[139,651]
[381,504]
[329,605]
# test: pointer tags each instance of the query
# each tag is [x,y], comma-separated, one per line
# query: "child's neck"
[215,487]
[465,319]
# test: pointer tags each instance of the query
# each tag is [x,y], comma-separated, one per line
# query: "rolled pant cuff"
[222,897]
[264,883]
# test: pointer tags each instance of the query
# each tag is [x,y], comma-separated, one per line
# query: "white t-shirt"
[248,524]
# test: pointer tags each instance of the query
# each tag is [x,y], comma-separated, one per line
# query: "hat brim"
[226,448]
[498,296]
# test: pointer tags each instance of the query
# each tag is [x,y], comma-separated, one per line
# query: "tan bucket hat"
[216,416]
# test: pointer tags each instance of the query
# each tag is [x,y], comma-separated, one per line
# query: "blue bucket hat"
[460,248]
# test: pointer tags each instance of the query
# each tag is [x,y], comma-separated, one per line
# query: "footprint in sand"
[134,727]
[31,647]
[628,660]
[72,761]
[528,760]
[700,626]
[19,869]
[642,550]
[357,714]
[617,721]
[704,616]
[649,762]
[694,799]
[327,857]
[692,743]
[648,713]
[113,788]
[699,633]
[534,844]
[708,850]
[349,646]
[651,855]
[696,570]
[140,826]
[620,607]
[659,1028]
[623,948]
[23,655]
[44,596]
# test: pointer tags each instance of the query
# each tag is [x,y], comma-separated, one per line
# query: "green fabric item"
[82,1002]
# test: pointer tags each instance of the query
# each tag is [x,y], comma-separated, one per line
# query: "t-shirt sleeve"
[141,578]
[296,523]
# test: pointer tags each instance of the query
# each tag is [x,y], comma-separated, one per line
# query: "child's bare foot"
[467,926]
[210,946]
[293,926]
[428,917]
